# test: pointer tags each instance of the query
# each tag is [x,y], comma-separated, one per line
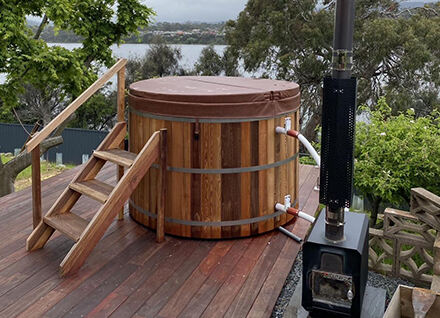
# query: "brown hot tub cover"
[214,97]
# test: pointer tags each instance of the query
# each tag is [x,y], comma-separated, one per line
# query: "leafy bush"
[396,153]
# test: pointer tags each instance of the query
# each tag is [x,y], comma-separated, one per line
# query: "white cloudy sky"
[196,10]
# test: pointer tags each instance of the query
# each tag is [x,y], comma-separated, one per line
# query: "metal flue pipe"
[343,39]
[342,63]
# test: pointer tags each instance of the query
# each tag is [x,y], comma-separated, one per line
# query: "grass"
[48,170]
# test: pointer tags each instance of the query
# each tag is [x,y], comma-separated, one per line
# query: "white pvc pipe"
[307,217]
[280,130]
[280,207]
[305,142]
[302,215]
[310,148]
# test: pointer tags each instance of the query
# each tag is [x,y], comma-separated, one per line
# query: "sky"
[196,10]
[202,10]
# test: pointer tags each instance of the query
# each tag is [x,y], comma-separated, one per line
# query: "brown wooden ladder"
[87,234]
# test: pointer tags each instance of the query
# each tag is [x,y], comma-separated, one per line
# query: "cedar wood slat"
[69,224]
[94,189]
[217,197]
[39,295]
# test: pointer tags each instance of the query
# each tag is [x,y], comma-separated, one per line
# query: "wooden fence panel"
[407,246]
[426,207]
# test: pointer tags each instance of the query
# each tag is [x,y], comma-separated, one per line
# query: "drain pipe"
[303,140]
[290,234]
[295,212]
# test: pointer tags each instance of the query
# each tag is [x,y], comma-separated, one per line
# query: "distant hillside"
[172,33]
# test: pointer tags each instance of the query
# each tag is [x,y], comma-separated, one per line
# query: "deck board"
[129,274]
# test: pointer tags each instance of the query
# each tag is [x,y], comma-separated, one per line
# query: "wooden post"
[435,285]
[162,188]
[36,186]
[121,118]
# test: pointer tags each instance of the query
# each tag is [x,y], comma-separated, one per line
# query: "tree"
[160,60]
[396,53]
[10,170]
[209,63]
[98,113]
[28,61]
[40,104]
[230,63]
[394,153]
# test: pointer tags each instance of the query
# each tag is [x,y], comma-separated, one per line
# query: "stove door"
[332,288]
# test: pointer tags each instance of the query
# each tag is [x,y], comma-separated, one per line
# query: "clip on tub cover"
[214,97]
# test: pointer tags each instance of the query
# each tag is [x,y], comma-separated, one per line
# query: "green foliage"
[395,153]
[396,53]
[230,63]
[209,63]
[28,60]
[98,113]
[159,60]
[307,160]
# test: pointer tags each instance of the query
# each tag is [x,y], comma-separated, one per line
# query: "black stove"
[335,273]
[335,255]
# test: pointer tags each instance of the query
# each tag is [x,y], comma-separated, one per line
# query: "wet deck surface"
[129,275]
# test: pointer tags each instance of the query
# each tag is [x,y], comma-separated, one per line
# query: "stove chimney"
[338,123]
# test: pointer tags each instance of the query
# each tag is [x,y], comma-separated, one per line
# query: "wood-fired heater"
[335,262]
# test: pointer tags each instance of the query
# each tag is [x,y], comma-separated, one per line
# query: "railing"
[33,145]
[408,245]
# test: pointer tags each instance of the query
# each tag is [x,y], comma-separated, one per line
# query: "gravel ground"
[374,279]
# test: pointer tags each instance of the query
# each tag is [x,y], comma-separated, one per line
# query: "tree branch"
[23,160]
[41,27]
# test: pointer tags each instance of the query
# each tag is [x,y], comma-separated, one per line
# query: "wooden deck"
[130,275]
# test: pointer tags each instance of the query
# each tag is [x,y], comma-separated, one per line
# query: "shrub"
[394,153]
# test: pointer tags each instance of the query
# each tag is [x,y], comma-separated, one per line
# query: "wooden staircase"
[87,234]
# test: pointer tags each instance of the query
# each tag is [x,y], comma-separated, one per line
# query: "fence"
[77,142]
[408,246]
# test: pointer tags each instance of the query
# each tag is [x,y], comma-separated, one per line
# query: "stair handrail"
[69,110]
[32,146]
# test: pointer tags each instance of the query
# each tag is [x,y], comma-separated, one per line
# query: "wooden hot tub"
[226,165]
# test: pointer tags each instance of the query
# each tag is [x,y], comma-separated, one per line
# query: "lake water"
[190,53]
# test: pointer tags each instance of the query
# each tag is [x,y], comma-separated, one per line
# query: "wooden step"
[94,189]
[69,224]
[118,156]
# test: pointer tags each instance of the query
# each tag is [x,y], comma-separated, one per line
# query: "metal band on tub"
[230,170]
[203,120]
[211,223]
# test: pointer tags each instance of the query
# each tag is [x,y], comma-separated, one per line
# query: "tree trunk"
[10,170]
[376,204]
[6,183]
